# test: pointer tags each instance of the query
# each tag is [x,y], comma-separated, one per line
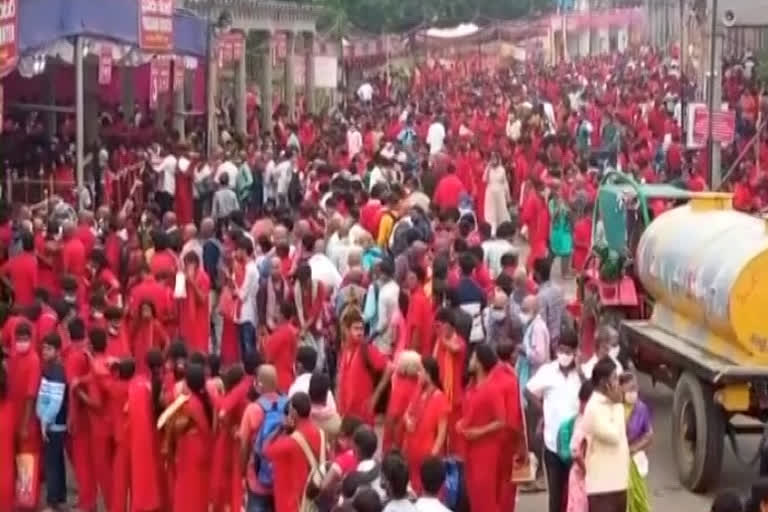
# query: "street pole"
[79,120]
[715,96]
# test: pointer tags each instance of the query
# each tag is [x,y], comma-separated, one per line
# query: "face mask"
[498,315]
[614,352]
[564,360]
[525,318]
[630,397]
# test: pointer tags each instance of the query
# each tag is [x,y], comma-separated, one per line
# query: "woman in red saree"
[194,437]
[426,422]
[450,353]
[229,308]
[405,381]
[147,333]
[183,196]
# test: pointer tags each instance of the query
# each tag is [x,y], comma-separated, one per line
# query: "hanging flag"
[156,25]
[105,65]
[9,40]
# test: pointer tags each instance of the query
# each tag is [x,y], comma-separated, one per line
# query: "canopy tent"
[43,22]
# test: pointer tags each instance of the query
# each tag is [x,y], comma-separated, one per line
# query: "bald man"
[259,496]
[191,242]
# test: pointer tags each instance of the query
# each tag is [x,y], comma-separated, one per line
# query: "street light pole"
[714,97]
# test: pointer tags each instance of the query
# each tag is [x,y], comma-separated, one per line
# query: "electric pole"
[714,93]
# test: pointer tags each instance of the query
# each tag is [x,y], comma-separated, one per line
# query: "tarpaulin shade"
[42,22]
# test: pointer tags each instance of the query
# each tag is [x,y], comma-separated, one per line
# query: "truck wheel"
[698,434]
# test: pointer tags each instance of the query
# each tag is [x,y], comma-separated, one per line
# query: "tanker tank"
[706,265]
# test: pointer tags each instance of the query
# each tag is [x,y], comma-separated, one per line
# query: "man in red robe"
[194,315]
[287,453]
[482,427]
[73,255]
[149,289]
[363,371]
[77,368]
[535,217]
[21,272]
[24,372]
[420,313]
[281,345]
[449,190]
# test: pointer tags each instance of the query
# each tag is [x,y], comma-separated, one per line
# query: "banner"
[156,25]
[231,47]
[159,79]
[697,124]
[9,39]
[178,73]
[105,65]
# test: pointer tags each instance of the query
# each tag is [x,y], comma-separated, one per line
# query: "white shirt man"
[354,141]
[228,168]
[559,392]
[284,172]
[365,92]
[324,271]
[436,137]
[247,293]
[301,385]
[167,170]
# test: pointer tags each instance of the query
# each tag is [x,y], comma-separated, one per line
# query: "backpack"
[398,240]
[564,435]
[317,471]
[274,412]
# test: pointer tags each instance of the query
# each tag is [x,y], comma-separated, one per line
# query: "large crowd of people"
[335,315]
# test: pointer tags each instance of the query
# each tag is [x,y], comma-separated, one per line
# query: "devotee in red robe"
[194,436]
[451,352]
[420,311]
[482,427]
[24,371]
[404,388]
[183,200]
[147,333]
[449,190]
[426,421]
[194,312]
[363,371]
[535,217]
[290,464]
[21,272]
[7,424]
[77,367]
[281,345]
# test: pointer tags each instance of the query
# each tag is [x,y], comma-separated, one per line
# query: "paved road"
[667,493]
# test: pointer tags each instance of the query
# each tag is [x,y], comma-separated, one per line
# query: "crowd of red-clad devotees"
[357,269]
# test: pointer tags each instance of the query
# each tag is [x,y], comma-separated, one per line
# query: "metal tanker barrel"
[707,265]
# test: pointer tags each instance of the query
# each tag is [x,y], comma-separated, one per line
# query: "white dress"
[496,196]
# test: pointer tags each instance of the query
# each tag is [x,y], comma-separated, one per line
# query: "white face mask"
[613,352]
[525,318]
[564,360]
[498,315]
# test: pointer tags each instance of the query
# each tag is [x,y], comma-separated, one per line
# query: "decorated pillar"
[127,88]
[179,99]
[91,98]
[290,72]
[309,72]
[241,123]
[266,83]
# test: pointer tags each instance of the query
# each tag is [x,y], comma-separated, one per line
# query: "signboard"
[723,125]
[178,73]
[159,79]
[231,47]
[156,25]
[105,65]
[9,35]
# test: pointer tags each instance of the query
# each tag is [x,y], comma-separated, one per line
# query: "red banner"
[159,79]
[723,126]
[105,65]
[9,30]
[156,25]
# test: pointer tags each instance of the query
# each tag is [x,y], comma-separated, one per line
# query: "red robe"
[356,384]
[183,201]
[582,240]
[24,374]
[77,367]
[192,465]
[485,404]
[22,272]
[505,379]
[7,465]
[425,413]
[194,315]
[143,443]
[404,390]
[535,215]
[290,466]
[146,335]
[451,375]
[102,427]
[419,310]
[280,351]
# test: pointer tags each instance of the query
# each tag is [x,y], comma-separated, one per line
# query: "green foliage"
[382,16]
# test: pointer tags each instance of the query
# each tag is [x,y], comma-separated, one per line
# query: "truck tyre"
[698,433]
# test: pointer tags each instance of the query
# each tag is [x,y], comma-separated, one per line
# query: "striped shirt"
[552,309]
